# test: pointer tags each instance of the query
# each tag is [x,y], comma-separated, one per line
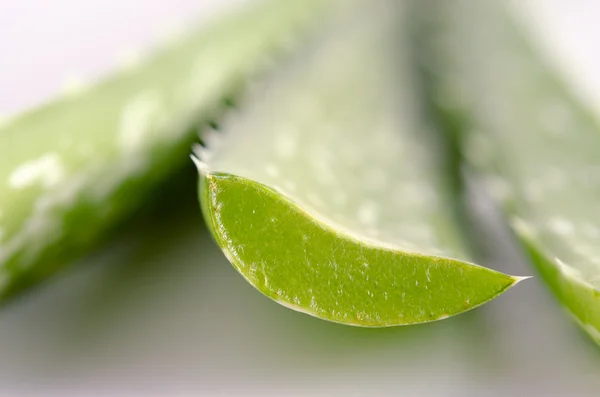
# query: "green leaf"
[530,133]
[324,192]
[74,167]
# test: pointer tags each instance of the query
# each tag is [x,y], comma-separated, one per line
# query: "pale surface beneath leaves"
[162,312]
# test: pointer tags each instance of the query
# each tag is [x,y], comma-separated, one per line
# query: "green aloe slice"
[530,132]
[324,193]
[70,169]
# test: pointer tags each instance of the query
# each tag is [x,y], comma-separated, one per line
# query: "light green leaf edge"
[482,119]
[71,169]
[293,253]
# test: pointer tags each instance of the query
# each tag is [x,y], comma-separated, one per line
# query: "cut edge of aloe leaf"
[392,300]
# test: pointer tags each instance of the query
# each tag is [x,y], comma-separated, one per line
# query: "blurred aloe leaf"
[528,131]
[74,167]
[324,193]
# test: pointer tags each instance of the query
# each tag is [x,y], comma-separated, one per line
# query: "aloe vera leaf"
[530,133]
[72,168]
[324,194]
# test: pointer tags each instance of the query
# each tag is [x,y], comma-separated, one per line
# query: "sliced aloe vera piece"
[531,132]
[70,169]
[324,194]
